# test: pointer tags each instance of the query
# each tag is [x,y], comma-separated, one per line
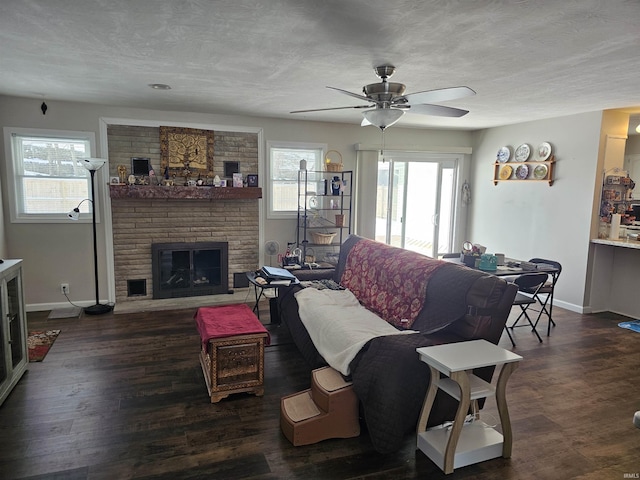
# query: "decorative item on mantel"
[122,173]
[237,180]
[186,152]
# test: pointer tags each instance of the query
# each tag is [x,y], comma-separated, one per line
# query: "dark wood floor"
[122,396]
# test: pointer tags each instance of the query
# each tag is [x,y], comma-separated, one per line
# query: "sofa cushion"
[389,281]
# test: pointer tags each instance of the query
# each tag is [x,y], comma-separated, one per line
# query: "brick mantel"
[182,192]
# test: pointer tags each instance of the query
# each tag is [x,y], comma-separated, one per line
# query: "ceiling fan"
[387,103]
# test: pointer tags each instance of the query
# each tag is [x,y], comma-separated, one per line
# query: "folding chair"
[546,300]
[529,283]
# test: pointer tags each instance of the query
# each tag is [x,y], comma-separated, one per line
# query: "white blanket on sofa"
[339,326]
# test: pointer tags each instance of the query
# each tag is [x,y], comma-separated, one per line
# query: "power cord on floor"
[69,300]
[111,304]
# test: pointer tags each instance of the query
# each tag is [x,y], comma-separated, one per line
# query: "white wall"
[532,219]
[633,145]
[55,253]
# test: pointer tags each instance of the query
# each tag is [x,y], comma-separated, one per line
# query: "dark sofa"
[390,381]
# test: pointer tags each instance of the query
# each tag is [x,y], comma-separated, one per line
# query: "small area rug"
[634,325]
[39,344]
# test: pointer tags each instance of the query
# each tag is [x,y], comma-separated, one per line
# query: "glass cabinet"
[13,331]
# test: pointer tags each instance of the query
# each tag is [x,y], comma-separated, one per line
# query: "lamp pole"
[98,308]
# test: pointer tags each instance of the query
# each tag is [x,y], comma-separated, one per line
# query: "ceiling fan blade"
[355,95]
[335,108]
[437,110]
[440,95]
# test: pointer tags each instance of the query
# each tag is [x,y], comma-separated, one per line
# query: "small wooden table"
[465,443]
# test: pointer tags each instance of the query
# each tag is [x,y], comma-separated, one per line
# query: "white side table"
[464,444]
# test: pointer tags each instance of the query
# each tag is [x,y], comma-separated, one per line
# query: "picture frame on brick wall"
[252,180]
[230,168]
[237,180]
[186,152]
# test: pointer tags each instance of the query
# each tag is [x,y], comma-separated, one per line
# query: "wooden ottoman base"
[234,365]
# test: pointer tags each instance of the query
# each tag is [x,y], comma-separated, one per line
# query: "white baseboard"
[571,307]
[41,307]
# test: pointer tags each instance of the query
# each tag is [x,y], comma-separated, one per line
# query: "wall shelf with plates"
[538,169]
[524,171]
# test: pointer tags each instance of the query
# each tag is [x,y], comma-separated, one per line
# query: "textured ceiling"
[526,59]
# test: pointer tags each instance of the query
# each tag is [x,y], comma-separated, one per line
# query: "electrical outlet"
[64,288]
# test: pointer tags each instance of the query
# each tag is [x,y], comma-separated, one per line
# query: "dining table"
[511,267]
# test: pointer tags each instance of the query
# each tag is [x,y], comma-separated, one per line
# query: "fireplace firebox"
[190,269]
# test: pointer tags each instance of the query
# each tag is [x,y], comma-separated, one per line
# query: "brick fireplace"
[145,215]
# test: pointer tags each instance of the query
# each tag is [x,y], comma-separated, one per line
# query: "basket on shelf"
[322,238]
[332,166]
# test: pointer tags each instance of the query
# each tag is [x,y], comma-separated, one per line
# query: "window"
[48,181]
[415,206]
[284,164]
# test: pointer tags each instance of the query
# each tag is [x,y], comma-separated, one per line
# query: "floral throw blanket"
[389,281]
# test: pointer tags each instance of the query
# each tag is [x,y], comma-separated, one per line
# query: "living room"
[513,218]
[521,219]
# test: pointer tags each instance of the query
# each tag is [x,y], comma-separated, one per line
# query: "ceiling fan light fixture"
[383,117]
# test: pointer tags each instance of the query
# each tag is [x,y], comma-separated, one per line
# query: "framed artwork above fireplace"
[186,152]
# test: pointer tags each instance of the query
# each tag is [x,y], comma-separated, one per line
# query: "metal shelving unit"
[324,214]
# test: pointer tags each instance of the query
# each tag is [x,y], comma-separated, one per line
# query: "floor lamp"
[93,165]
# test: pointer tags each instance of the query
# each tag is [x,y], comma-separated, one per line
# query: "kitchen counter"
[614,276]
[617,243]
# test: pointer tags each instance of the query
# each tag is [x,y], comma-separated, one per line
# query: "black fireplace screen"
[189,269]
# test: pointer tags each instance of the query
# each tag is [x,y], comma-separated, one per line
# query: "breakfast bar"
[614,276]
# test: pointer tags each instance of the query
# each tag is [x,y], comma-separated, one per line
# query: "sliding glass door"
[416,202]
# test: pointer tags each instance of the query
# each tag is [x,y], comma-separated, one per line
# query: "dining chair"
[529,284]
[545,294]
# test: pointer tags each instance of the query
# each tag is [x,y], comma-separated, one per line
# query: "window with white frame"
[46,181]
[284,164]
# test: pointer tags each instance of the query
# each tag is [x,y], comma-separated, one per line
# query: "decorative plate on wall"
[522,172]
[544,151]
[522,153]
[504,154]
[505,172]
[540,172]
